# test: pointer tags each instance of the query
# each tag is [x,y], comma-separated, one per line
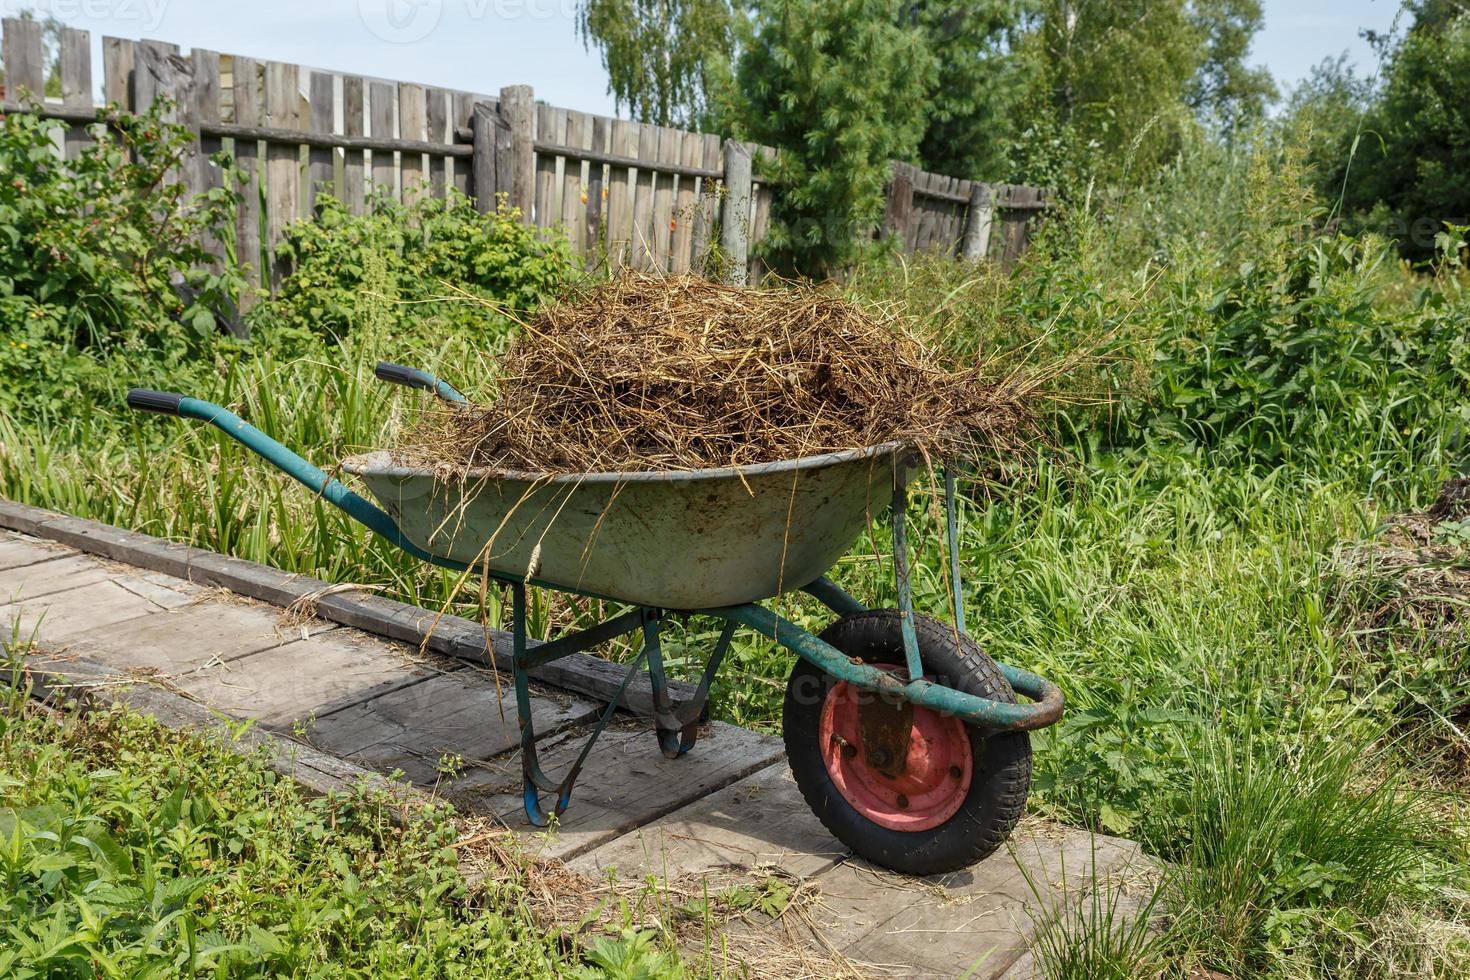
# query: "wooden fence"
[627,194]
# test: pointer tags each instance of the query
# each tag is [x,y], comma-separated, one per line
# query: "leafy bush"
[89,251]
[402,264]
[1292,353]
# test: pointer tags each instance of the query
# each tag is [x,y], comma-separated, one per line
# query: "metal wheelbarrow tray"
[907,740]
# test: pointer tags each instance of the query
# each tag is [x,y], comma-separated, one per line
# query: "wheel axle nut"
[903,802]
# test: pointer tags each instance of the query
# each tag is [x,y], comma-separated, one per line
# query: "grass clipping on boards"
[649,372]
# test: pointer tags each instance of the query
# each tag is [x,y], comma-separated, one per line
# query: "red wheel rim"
[935,779]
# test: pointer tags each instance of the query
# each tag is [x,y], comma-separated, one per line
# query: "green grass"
[128,849]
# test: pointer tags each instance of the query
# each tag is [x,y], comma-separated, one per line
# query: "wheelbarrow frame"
[676,725]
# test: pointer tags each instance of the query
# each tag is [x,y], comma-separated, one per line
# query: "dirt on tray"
[649,372]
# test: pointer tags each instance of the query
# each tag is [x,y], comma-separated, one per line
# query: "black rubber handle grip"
[146,400]
[399,375]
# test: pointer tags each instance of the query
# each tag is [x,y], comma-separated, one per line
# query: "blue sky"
[481,45]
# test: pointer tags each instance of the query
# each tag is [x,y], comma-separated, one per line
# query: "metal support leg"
[951,528]
[533,780]
[663,717]
[678,725]
[901,577]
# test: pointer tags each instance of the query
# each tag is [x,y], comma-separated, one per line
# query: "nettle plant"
[91,249]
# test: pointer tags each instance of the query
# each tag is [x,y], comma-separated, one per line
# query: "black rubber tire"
[1002,762]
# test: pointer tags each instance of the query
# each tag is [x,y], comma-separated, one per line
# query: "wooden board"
[308,679]
[436,121]
[322,120]
[976,920]
[620,190]
[37,580]
[458,714]
[641,234]
[759,820]
[691,154]
[626,783]
[245,86]
[75,63]
[317,771]
[282,160]
[663,198]
[25,69]
[58,616]
[380,123]
[194,637]
[573,205]
[354,170]
[17,550]
[412,122]
[594,241]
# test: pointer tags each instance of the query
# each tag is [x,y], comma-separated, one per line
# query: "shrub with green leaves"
[89,251]
[436,265]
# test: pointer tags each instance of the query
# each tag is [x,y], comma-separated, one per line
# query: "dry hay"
[714,918]
[672,373]
[1412,583]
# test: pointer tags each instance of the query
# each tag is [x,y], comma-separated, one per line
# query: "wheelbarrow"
[906,739]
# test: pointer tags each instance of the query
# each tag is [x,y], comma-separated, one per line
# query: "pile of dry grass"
[1411,584]
[658,373]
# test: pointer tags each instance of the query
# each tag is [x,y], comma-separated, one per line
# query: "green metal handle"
[414,378]
[308,475]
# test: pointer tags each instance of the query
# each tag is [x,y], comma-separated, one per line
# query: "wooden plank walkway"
[340,701]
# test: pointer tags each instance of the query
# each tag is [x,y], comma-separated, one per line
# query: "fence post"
[483,176]
[735,214]
[900,210]
[977,223]
[518,108]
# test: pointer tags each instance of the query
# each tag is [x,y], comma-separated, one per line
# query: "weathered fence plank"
[643,199]
[75,65]
[320,164]
[735,217]
[691,154]
[593,247]
[620,186]
[436,121]
[282,160]
[117,71]
[380,123]
[412,122]
[25,62]
[354,162]
[704,216]
[573,207]
[518,107]
[977,223]
[245,90]
[462,113]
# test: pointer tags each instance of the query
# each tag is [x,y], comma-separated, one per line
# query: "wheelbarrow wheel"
[906,787]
